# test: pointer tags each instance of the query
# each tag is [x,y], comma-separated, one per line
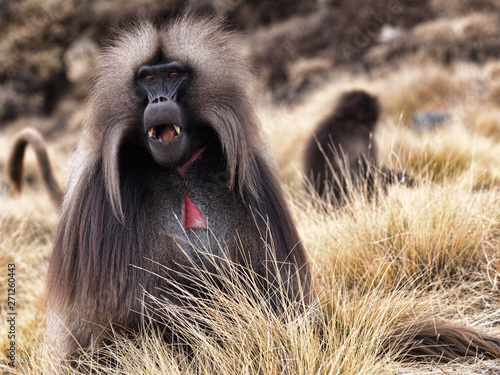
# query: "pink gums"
[191,215]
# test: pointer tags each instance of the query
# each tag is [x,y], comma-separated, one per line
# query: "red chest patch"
[191,215]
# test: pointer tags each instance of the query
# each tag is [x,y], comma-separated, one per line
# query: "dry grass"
[422,235]
[413,253]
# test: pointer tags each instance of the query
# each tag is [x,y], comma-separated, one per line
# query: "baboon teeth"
[164,133]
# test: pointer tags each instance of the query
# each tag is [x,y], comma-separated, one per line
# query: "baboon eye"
[173,74]
[149,77]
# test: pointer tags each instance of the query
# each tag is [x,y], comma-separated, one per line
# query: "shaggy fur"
[121,210]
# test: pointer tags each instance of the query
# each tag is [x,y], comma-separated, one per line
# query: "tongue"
[191,215]
[167,133]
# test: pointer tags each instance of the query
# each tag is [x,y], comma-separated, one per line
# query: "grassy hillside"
[426,252]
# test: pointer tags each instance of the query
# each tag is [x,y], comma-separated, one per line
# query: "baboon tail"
[443,342]
[15,163]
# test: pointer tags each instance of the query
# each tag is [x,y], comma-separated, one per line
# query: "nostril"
[159,99]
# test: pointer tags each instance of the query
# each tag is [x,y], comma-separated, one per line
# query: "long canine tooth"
[177,129]
[151,132]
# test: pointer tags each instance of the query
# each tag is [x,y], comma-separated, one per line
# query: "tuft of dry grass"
[456,153]
[424,235]
[233,332]
[485,121]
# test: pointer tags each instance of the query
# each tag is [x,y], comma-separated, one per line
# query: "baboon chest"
[195,216]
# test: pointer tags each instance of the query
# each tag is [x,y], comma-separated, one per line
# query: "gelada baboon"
[170,168]
[171,163]
[15,163]
[341,155]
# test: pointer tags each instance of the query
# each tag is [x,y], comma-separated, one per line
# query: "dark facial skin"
[171,137]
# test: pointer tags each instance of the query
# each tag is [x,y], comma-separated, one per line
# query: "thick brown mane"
[110,224]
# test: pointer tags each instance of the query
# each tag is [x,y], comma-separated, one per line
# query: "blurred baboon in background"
[341,155]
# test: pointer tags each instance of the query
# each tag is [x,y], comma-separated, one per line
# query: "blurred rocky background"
[47,47]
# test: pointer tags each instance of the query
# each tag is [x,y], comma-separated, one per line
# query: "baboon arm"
[16,158]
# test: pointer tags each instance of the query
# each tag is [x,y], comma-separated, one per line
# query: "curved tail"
[15,163]
[442,341]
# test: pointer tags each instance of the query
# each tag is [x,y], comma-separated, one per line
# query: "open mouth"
[164,133]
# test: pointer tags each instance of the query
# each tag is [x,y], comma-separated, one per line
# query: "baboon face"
[171,137]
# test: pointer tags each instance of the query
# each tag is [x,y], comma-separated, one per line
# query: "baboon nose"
[159,99]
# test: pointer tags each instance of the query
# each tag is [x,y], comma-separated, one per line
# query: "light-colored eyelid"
[173,73]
